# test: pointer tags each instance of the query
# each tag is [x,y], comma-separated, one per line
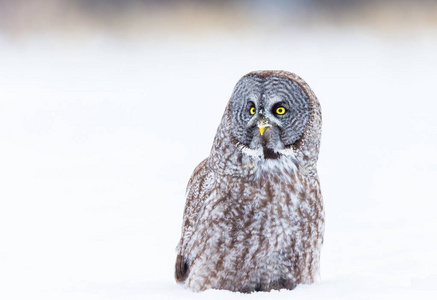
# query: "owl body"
[254,216]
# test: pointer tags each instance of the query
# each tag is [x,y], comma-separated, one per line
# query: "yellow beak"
[262,125]
[262,129]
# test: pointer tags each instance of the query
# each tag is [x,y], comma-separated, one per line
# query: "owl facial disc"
[268,113]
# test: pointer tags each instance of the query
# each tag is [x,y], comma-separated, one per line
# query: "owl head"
[269,113]
[273,120]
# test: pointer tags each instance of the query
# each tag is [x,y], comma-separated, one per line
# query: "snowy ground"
[99,135]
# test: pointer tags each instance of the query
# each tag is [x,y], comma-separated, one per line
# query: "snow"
[99,135]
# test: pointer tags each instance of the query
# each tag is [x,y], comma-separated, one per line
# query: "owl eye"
[252,110]
[280,110]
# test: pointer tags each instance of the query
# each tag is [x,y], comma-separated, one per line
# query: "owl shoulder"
[199,184]
[199,172]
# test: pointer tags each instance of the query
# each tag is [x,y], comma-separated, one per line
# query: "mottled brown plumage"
[254,217]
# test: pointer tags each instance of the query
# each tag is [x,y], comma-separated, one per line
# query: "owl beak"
[263,125]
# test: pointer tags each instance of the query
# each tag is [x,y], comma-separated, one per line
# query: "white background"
[99,136]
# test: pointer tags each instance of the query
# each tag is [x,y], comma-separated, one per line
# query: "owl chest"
[266,218]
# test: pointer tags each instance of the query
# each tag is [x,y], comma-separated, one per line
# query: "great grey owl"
[254,217]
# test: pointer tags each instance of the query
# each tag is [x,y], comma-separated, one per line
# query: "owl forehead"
[264,91]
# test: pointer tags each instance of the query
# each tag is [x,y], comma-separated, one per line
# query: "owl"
[254,217]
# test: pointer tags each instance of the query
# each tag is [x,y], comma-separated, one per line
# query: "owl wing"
[198,189]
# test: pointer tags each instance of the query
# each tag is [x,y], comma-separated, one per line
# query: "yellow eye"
[280,110]
[252,110]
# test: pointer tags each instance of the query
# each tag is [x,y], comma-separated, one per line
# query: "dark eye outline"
[279,109]
[252,109]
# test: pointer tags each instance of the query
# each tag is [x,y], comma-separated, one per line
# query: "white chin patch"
[287,152]
[252,152]
[259,153]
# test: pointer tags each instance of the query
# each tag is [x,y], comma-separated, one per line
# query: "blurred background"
[141,18]
[107,106]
